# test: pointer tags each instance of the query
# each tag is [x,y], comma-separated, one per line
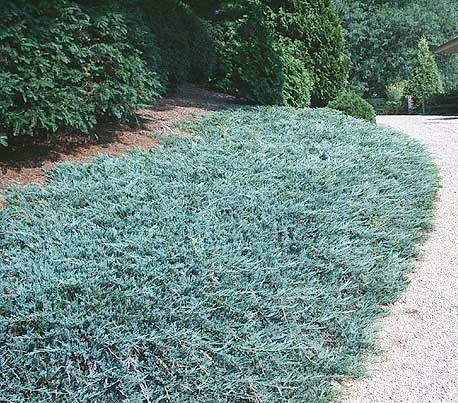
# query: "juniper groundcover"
[246,263]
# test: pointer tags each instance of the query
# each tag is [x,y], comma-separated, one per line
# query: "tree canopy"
[382,39]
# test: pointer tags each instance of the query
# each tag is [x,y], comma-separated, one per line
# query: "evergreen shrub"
[186,47]
[313,26]
[425,79]
[281,52]
[354,105]
[63,69]
[246,263]
[248,64]
[298,82]
[396,100]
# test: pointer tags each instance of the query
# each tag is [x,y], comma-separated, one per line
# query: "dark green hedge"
[313,26]
[63,69]
[299,82]
[186,47]
[70,65]
[248,64]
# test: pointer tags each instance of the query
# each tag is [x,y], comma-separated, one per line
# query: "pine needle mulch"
[247,263]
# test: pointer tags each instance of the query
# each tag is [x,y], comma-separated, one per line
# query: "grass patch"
[245,264]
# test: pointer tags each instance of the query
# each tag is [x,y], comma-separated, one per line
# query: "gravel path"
[419,339]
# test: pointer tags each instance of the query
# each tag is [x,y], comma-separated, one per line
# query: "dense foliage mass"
[281,52]
[184,41]
[60,68]
[173,40]
[299,83]
[80,62]
[70,65]
[352,104]
[247,61]
[314,36]
[243,264]
[382,38]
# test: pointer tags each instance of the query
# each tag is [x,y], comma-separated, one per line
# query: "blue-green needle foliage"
[247,263]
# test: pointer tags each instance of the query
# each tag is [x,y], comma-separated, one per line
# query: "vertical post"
[409,104]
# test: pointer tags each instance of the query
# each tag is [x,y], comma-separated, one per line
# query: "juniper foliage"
[247,263]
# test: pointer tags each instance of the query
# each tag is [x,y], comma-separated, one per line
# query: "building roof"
[449,47]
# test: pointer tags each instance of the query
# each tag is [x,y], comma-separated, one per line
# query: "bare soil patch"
[28,157]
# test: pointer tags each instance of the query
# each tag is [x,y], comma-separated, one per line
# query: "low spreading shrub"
[354,105]
[245,264]
[62,69]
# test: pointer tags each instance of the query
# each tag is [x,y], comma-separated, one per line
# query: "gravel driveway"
[420,337]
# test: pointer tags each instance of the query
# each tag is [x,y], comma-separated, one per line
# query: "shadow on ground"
[26,157]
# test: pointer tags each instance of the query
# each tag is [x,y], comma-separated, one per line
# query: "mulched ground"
[24,162]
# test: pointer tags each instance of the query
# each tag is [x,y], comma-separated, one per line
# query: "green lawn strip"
[247,263]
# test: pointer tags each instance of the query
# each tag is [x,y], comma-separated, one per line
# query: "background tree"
[425,80]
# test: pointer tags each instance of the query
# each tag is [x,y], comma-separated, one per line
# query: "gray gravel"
[419,363]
